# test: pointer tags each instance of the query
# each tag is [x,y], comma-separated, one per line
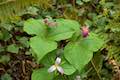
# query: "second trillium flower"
[85,31]
[56,66]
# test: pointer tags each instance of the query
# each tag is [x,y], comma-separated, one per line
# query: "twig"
[96,70]
[23,67]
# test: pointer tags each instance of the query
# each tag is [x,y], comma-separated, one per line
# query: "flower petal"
[52,68]
[51,24]
[60,69]
[78,77]
[58,60]
[85,31]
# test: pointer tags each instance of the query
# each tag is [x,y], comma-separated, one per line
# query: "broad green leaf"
[80,53]
[68,68]
[77,55]
[41,74]
[64,29]
[61,36]
[13,48]
[42,46]
[36,27]
[69,24]
[49,59]
[92,42]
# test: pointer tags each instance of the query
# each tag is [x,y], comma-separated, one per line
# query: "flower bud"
[85,31]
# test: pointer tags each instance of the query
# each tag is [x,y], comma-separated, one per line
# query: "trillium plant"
[63,46]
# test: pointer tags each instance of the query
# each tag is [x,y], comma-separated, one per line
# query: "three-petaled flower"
[56,66]
[85,31]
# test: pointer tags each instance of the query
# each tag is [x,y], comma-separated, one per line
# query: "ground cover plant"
[59,40]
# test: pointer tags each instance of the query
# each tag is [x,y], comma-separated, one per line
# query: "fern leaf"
[11,8]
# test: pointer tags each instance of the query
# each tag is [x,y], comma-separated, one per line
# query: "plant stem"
[96,70]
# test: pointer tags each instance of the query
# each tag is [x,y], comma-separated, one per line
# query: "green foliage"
[64,39]
[77,55]
[41,74]
[36,27]
[9,9]
[5,35]
[42,46]
[78,52]
[92,42]
[4,59]
[81,2]
[64,30]
[44,42]
[68,68]
[12,48]
[24,41]
[6,77]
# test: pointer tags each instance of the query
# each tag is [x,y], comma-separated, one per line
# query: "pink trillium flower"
[85,31]
[56,66]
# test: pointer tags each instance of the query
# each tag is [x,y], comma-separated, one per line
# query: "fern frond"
[10,8]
